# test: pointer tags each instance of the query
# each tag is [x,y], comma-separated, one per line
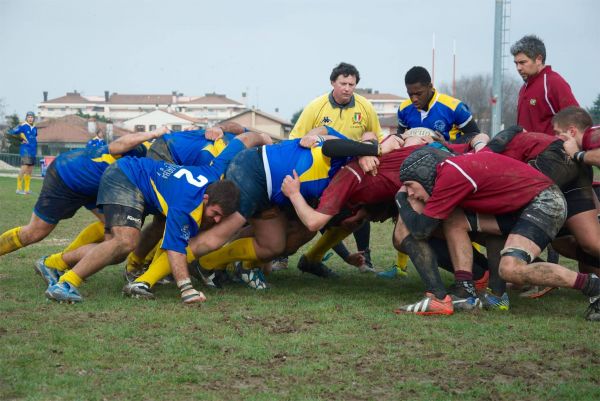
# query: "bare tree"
[476,92]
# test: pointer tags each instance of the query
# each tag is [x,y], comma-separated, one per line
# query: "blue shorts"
[57,201]
[247,172]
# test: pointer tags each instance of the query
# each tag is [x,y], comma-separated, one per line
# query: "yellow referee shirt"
[352,119]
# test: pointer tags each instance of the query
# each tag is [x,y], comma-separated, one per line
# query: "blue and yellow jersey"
[177,191]
[29,133]
[314,169]
[445,114]
[352,119]
[95,142]
[81,169]
[190,148]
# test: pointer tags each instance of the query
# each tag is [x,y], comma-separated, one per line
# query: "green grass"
[304,339]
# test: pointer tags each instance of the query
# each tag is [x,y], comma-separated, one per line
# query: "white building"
[210,108]
[385,104]
[150,121]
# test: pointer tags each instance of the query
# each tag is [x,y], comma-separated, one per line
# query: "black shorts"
[57,201]
[541,220]
[121,200]
[159,150]
[27,160]
[247,172]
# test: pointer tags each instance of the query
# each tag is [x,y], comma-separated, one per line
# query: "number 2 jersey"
[176,191]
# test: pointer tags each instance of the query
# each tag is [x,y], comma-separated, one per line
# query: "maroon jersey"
[483,182]
[540,98]
[351,187]
[591,138]
[526,146]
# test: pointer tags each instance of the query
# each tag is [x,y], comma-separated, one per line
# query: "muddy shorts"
[159,150]
[540,220]
[57,201]
[247,172]
[27,160]
[122,202]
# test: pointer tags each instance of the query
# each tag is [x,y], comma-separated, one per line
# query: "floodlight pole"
[497,71]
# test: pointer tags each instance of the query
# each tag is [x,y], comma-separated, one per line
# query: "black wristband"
[578,156]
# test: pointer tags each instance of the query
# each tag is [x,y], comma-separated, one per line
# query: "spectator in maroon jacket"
[544,93]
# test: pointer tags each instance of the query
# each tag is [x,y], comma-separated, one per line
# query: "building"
[211,108]
[174,121]
[62,134]
[385,104]
[276,127]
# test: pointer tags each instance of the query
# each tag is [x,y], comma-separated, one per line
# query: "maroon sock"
[463,275]
[580,281]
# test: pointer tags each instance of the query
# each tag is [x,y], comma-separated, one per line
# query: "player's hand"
[392,142]
[570,145]
[356,259]
[369,164]
[213,133]
[161,131]
[291,185]
[310,141]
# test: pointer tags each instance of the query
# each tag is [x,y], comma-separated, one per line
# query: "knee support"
[518,253]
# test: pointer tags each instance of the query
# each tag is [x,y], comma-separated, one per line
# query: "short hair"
[417,75]
[344,69]
[531,46]
[225,194]
[575,116]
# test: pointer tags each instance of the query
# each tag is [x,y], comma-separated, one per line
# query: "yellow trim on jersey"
[106,158]
[320,167]
[161,200]
[405,104]
[197,213]
[448,101]
[351,122]
[216,148]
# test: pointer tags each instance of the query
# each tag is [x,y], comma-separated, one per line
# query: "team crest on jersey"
[326,120]
[439,126]
[532,102]
[357,117]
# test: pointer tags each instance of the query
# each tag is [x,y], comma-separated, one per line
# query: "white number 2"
[199,181]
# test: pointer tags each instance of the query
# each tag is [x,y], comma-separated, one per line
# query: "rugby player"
[27,134]
[71,182]
[506,197]
[191,197]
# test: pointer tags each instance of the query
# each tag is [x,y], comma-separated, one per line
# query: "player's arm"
[573,150]
[312,219]
[127,142]
[419,225]
[373,124]
[178,262]
[479,141]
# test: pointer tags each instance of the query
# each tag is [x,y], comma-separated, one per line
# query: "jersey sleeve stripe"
[466,122]
[267,171]
[467,176]
[546,94]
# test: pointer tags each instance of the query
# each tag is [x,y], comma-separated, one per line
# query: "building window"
[152,127]
[140,128]
[98,108]
[176,127]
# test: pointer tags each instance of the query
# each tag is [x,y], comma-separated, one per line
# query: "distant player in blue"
[426,107]
[71,182]
[192,198]
[96,141]
[27,133]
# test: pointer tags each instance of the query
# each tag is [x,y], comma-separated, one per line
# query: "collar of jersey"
[336,105]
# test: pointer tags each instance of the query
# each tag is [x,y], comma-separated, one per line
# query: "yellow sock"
[240,249]
[9,241]
[19,183]
[27,179]
[478,247]
[150,257]
[72,278]
[134,262]
[56,261]
[402,260]
[330,238]
[158,269]
[248,264]
[91,234]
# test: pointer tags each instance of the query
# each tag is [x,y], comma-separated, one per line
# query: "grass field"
[304,339]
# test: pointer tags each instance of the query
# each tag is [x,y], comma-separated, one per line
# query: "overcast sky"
[280,52]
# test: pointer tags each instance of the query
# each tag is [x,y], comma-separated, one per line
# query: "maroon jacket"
[540,98]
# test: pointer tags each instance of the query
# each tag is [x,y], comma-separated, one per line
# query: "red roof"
[70,97]
[70,129]
[212,98]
